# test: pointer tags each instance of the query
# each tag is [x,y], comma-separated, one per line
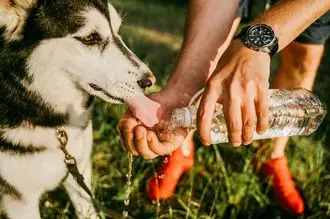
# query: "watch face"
[260,35]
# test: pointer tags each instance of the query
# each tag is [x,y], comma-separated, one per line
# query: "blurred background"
[222,184]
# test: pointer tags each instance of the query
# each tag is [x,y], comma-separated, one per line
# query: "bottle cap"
[181,118]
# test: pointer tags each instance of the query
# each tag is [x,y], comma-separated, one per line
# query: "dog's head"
[73,44]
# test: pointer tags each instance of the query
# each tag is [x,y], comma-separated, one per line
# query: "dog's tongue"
[144,109]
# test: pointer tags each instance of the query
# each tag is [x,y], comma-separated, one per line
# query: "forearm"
[289,18]
[207,27]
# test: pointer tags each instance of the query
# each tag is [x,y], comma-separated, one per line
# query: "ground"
[222,184]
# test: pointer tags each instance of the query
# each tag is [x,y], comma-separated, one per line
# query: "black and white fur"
[49,72]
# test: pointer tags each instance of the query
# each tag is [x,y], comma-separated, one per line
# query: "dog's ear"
[16,4]
[13,14]
[114,18]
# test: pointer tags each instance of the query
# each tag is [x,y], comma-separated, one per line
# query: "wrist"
[239,47]
[178,95]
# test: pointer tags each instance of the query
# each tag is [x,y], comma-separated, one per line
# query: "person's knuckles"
[249,122]
[213,83]
[234,126]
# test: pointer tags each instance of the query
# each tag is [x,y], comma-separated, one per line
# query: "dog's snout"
[146,81]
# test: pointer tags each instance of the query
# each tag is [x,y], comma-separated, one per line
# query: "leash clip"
[62,136]
[71,164]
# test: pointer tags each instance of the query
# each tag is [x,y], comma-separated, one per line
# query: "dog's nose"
[147,81]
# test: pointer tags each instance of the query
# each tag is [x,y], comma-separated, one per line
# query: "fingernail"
[236,144]
[204,143]
[261,132]
[247,143]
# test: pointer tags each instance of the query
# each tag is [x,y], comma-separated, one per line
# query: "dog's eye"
[91,39]
[88,38]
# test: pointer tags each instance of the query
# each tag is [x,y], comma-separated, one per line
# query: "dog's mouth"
[99,89]
[142,107]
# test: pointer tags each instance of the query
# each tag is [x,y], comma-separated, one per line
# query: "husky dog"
[55,56]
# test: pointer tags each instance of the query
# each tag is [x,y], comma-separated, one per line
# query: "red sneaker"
[282,185]
[169,173]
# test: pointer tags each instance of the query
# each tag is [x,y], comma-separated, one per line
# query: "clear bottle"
[292,112]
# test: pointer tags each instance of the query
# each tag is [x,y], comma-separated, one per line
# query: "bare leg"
[298,68]
[299,64]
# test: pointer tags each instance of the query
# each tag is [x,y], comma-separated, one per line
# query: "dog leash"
[71,164]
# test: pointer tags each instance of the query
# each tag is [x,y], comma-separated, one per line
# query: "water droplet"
[126,202]
[128,184]
[125,214]
[161,176]
[48,204]
[165,160]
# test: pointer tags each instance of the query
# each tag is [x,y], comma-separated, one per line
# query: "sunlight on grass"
[171,40]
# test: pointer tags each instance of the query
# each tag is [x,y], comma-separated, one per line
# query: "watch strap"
[242,35]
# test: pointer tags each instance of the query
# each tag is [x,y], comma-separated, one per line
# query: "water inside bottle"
[292,112]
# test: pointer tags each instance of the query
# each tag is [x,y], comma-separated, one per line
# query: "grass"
[222,183]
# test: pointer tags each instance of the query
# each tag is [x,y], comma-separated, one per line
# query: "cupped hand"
[147,142]
[240,84]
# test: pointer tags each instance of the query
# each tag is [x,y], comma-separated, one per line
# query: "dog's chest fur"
[44,168]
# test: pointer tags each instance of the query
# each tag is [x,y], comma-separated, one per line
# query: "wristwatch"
[259,37]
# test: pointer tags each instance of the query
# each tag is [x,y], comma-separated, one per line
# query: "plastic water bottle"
[295,112]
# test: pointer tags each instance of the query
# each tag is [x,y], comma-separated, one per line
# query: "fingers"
[142,143]
[248,122]
[125,129]
[262,111]
[233,117]
[166,143]
[149,145]
[206,112]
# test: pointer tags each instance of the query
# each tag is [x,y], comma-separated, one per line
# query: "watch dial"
[260,35]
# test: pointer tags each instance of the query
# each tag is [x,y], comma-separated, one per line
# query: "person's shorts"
[316,33]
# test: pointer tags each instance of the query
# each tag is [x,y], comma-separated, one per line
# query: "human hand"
[145,141]
[240,84]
